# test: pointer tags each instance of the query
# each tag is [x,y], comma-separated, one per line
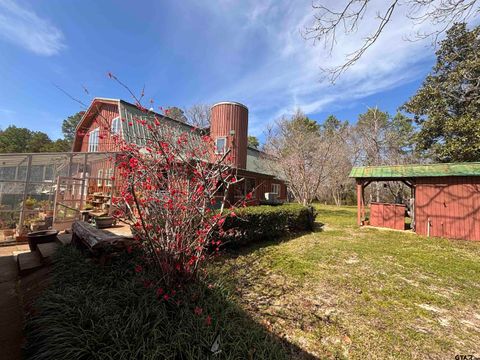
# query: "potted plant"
[8,228]
[104,221]
[30,203]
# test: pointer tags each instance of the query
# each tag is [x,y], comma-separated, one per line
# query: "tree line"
[15,139]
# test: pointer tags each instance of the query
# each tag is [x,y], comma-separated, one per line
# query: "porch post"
[359,202]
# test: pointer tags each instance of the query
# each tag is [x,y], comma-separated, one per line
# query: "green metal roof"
[413,171]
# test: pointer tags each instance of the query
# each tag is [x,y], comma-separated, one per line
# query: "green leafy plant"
[107,312]
[30,202]
[258,223]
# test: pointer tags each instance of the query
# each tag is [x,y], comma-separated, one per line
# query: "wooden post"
[84,176]
[112,187]
[359,202]
[25,193]
[57,193]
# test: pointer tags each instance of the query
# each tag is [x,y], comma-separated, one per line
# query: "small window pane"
[220,144]
[276,188]
[99,177]
[115,126]
[93,140]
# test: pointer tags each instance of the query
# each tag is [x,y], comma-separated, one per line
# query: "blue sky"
[192,51]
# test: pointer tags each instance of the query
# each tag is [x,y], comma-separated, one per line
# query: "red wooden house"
[445,198]
[229,130]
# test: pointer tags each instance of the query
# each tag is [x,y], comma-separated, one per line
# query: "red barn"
[445,198]
[229,130]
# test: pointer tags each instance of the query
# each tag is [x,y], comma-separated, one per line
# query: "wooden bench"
[85,235]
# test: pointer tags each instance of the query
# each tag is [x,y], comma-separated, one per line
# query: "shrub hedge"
[258,223]
[105,312]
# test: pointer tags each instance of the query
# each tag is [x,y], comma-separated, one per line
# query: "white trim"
[276,188]
[229,103]
[108,176]
[116,130]
[224,145]
[100,177]
[93,140]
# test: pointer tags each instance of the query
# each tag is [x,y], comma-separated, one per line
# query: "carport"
[445,198]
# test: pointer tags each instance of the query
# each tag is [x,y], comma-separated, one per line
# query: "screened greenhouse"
[43,190]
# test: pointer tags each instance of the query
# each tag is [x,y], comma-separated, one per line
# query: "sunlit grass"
[355,292]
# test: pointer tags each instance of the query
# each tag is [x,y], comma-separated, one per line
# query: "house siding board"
[226,117]
[231,117]
[263,185]
[452,204]
[390,216]
[103,120]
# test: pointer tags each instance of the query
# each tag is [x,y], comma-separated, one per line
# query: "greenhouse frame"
[43,190]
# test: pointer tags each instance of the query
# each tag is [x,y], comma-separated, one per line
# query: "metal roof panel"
[416,170]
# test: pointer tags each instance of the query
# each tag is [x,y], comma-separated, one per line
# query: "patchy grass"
[355,293]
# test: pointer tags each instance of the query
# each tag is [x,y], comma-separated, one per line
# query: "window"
[115,129]
[239,188]
[109,175]
[250,185]
[99,177]
[93,140]
[276,189]
[220,145]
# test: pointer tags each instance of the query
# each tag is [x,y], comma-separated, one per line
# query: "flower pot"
[8,233]
[41,237]
[104,222]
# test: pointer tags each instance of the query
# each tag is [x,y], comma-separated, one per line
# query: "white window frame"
[276,188]
[93,140]
[108,176]
[115,128]
[224,149]
[100,177]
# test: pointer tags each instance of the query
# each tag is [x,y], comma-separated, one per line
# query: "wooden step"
[29,262]
[64,239]
[46,251]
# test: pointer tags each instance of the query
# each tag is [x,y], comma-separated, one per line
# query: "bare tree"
[349,18]
[384,140]
[199,115]
[302,155]
[337,184]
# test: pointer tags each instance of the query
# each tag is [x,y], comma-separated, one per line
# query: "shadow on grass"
[98,312]
[233,249]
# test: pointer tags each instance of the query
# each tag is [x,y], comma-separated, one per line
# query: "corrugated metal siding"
[452,204]
[226,117]
[388,215]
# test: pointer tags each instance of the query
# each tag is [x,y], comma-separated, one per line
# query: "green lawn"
[358,293]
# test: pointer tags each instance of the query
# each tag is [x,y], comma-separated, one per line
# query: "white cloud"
[289,73]
[25,28]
